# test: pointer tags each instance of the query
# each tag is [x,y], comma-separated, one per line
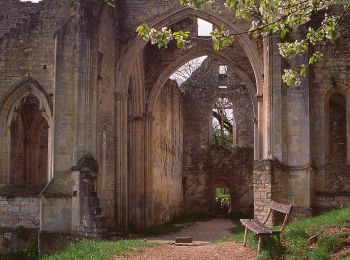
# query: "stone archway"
[194,54]
[136,47]
[345,92]
[133,161]
[16,94]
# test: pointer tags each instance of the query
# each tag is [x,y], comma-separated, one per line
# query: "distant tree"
[185,71]
[222,125]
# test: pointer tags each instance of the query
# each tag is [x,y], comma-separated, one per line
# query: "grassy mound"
[326,236]
[98,250]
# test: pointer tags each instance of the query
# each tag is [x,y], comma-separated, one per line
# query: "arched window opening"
[185,71]
[29,131]
[337,129]
[222,70]
[223,127]
[204,27]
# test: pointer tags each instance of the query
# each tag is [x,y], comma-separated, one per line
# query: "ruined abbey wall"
[104,56]
[115,134]
[40,53]
[167,154]
[330,149]
[204,163]
[27,48]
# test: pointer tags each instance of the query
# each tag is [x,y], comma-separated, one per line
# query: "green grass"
[295,238]
[175,225]
[29,253]
[98,250]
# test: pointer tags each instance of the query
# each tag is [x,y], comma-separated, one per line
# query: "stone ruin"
[96,141]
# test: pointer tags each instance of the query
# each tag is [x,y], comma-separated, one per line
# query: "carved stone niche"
[89,222]
[88,167]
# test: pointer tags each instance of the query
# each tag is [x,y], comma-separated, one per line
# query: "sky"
[204,27]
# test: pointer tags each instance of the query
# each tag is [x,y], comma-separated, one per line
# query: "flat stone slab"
[183,240]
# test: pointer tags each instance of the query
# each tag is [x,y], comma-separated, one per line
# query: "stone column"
[121,177]
[137,145]
[297,143]
[287,134]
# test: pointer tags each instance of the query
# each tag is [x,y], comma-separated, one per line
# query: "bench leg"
[245,237]
[259,245]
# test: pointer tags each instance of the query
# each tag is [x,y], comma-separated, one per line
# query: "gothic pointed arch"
[25,123]
[164,76]
[136,47]
[336,125]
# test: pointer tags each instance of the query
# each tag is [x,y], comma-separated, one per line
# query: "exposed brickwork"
[30,51]
[105,92]
[204,164]
[330,138]
[262,188]
[235,167]
[24,211]
[336,192]
[15,14]
[271,182]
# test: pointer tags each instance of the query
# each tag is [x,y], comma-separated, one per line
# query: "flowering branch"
[268,17]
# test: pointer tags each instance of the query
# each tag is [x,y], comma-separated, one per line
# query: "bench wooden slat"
[283,208]
[253,226]
[260,229]
[257,227]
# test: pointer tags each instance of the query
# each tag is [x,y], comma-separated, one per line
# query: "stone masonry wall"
[262,188]
[17,239]
[19,223]
[233,166]
[272,182]
[14,14]
[104,57]
[200,174]
[29,51]
[336,192]
[330,76]
[167,155]
[15,211]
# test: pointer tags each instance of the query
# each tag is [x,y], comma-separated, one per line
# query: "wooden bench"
[260,229]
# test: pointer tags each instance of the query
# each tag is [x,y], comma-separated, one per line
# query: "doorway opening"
[222,201]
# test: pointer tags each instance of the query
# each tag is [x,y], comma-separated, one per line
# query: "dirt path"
[202,233]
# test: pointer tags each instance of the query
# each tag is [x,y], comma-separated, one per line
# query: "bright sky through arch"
[204,27]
